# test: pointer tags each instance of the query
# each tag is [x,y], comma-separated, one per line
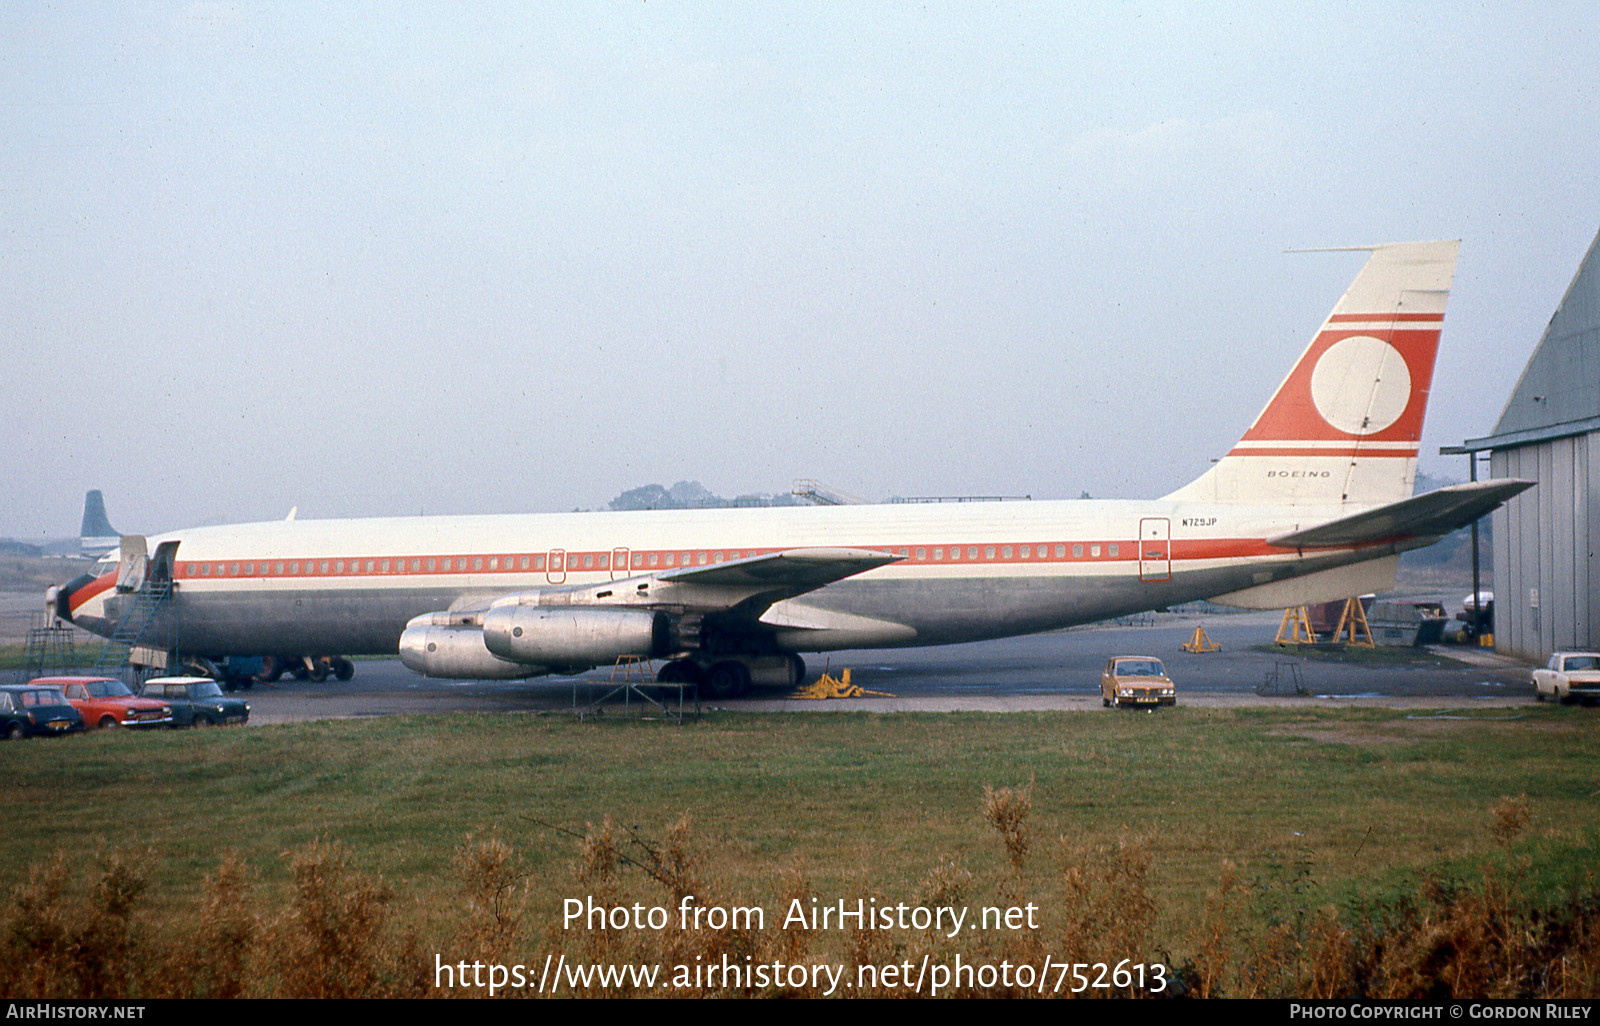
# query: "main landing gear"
[723,678]
[315,668]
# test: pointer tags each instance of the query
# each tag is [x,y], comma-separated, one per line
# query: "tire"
[298,671]
[271,670]
[725,680]
[199,722]
[108,722]
[343,668]
[14,731]
[319,671]
[799,669]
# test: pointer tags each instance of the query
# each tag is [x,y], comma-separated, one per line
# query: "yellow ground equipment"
[1199,642]
[1295,629]
[828,686]
[1356,617]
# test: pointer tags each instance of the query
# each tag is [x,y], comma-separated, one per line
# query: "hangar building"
[1547,577]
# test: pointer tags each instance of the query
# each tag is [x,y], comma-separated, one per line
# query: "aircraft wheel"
[298,671]
[343,668]
[319,670]
[271,670]
[726,680]
[679,671]
[799,669]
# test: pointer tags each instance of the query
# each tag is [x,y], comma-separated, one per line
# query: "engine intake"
[458,653]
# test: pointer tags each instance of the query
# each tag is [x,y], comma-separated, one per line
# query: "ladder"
[134,627]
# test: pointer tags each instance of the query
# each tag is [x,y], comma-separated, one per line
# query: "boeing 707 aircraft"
[1313,503]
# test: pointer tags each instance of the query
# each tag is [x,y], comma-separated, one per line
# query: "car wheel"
[14,731]
[108,723]
[200,721]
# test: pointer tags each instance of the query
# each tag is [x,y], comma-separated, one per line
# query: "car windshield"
[205,689]
[1582,662]
[109,689]
[1139,668]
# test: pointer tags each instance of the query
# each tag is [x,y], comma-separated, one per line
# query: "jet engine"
[456,651]
[574,636]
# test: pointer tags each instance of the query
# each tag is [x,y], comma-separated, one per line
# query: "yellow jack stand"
[1199,642]
[1356,617]
[1295,629]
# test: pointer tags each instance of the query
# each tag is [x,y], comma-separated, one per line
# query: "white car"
[1569,676]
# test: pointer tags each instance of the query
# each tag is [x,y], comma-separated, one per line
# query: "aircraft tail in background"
[96,537]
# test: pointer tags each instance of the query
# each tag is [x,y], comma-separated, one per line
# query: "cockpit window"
[106,565]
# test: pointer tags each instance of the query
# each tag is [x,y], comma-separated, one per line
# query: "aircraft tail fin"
[1343,428]
[96,537]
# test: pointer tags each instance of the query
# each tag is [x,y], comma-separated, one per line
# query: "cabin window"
[1111,550]
[249,569]
[206,570]
[716,557]
[588,561]
[938,553]
[433,563]
[605,561]
[654,559]
[538,562]
[524,562]
[1005,553]
[1094,551]
[922,553]
[338,566]
[1077,552]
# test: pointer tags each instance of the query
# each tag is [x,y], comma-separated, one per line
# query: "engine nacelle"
[457,652]
[574,636]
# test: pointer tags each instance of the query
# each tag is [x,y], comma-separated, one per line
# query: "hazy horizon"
[380,259]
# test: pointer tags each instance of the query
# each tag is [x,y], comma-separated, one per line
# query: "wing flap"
[1422,516]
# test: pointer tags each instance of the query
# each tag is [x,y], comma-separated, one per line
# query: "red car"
[106,702]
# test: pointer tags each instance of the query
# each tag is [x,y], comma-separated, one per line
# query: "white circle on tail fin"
[1361,385]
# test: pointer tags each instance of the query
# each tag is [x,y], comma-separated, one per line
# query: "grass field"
[1312,809]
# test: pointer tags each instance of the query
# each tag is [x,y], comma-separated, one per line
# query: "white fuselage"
[966,571]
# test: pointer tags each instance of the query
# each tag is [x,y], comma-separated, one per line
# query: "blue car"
[28,709]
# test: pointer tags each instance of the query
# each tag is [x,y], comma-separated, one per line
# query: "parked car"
[106,702]
[1569,677]
[196,701]
[31,709]
[1136,681]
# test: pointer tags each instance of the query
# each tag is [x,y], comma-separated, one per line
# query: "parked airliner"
[1313,503]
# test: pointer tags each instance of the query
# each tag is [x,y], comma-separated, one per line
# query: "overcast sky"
[391,258]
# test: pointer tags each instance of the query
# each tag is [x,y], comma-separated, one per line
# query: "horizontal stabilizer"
[1423,516]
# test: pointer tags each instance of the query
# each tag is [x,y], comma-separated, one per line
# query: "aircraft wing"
[1422,516]
[791,572]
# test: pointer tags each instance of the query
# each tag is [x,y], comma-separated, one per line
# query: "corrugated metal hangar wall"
[1547,580]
